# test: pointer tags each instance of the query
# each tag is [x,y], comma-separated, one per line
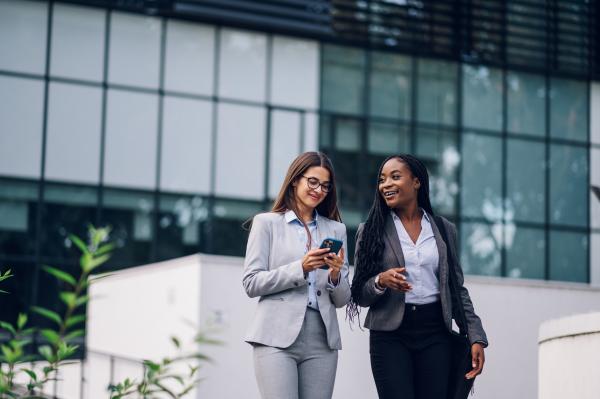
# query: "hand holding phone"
[334,246]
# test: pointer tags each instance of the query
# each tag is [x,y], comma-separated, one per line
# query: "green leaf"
[21,321]
[71,321]
[74,334]
[61,275]
[151,365]
[80,244]
[4,292]
[68,298]
[31,374]
[8,327]
[95,262]
[82,300]
[49,314]
[65,350]
[7,274]
[176,342]
[8,353]
[51,335]
[104,249]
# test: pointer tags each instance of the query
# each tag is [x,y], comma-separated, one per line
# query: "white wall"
[569,350]
[148,303]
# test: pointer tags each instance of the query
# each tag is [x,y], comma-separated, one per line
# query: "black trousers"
[413,362]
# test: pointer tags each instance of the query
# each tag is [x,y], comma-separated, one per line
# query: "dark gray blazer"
[387,309]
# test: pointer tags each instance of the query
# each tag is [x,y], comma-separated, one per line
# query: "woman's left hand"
[478,359]
[335,263]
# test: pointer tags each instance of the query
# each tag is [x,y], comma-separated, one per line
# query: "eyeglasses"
[314,183]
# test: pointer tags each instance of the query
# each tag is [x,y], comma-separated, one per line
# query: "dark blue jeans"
[413,362]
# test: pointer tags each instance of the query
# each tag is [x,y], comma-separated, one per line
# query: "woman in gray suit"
[295,334]
[402,276]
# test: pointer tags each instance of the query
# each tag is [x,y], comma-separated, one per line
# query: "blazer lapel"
[394,241]
[443,254]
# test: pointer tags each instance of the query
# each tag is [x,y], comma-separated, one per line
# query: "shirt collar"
[290,216]
[394,216]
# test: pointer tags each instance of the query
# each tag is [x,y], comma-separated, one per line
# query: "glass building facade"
[174,131]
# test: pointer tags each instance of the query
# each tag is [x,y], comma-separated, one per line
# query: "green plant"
[58,347]
[163,377]
[67,327]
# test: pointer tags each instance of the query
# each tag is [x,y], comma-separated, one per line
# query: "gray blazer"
[386,310]
[273,272]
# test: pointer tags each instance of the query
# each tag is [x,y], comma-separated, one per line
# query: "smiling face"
[306,197]
[397,185]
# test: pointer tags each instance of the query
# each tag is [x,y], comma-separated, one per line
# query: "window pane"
[347,134]
[129,214]
[240,172]
[343,79]
[595,116]
[525,252]
[345,158]
[180,223]
[77,42]
[568,185]
[295,73]
[311,132]
[526,181]
[285,146]
[387,138]
[227,234]
[21,112]
[243,65]
[18,214]
[595,181]
[595,259]
[481,191]
[134,50]
[436,92]
[73,143]
[23,26]
[568,256]
[438,150]
[390,85]
[67,210]
[482,97]
[526,103]
[186,145]
[569,109]
[189,63]
[480,248]
[131,133]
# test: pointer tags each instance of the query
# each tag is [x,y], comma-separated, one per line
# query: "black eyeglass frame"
[325,187]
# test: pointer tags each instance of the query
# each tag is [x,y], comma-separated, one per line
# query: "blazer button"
[319,292]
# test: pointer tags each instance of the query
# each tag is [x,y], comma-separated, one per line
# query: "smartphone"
[334,246]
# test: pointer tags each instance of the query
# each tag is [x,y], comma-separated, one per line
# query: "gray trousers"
[304,370]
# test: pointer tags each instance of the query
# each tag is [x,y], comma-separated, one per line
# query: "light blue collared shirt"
[421,260]
[311,278]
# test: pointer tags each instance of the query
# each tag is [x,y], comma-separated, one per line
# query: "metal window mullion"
[41,185]
[208,241]
[159,141]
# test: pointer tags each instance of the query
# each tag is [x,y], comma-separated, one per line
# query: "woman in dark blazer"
[402,277]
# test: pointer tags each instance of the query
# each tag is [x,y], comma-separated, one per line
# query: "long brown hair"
[286,199]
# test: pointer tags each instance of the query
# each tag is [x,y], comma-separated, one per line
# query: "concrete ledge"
[581,324]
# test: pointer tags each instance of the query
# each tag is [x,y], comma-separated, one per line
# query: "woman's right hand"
[314,259]
[394,279]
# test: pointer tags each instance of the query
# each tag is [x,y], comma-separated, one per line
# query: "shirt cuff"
[330,283]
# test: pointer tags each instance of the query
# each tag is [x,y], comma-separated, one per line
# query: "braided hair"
[368,260]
